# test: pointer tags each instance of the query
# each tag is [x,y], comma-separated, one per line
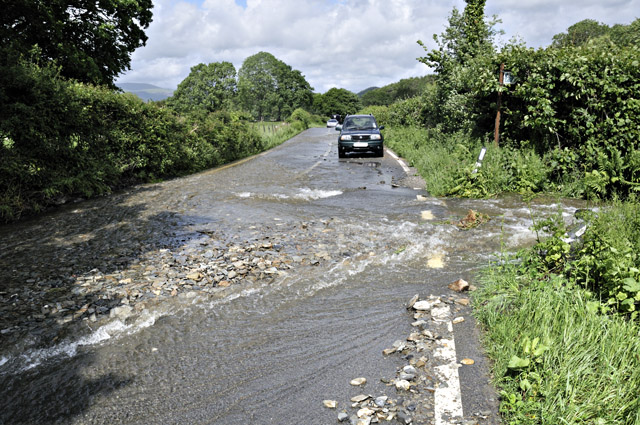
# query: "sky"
[352,44]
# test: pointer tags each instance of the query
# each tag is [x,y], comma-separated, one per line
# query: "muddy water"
[261,352]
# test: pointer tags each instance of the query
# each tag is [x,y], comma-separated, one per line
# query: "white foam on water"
[234,296]
[313,194]
[246,195]
[304,194]
[69,348]
[417,247]
[519,234]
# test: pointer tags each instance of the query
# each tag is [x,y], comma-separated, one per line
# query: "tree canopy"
[586,30]
[336,101]
[209,87]
[403,89]
[91,41]
[463,49]
[270,89]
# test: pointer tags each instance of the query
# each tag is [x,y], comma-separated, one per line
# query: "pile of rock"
[416,382]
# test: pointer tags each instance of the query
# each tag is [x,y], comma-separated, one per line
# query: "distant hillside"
[145,91]
[363,92]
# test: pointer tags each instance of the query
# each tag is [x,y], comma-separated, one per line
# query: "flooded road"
[246,294]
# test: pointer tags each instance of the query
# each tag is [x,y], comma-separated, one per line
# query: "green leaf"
[593,307]
[631,285]
[516,363]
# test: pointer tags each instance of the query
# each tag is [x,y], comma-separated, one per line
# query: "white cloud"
[351,44]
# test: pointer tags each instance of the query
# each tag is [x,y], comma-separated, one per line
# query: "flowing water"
[260,352]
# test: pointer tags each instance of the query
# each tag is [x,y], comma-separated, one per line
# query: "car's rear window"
[361,123]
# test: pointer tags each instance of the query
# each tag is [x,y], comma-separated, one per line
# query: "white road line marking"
[399,161]
[447,397]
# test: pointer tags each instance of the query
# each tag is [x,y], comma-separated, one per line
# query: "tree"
[580,33]
[626,35]
[90,40]
[587,30]
[403,89]
[337,101]
[210,87]
[462,54]
[270,89]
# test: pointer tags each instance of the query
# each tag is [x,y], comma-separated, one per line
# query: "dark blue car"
[360,133]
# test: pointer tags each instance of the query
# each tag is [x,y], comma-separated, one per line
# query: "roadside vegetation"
[562,323]
[66,133]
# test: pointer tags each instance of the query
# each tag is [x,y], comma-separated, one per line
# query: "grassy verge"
[562,354]
[276,133]
[503,170]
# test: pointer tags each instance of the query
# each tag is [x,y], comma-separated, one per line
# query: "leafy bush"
[584,368]
[301,119]
[60,138]
[407,112]
[608,261]
[381,113]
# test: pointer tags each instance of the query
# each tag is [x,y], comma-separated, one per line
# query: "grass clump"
[563,354]
[448,164]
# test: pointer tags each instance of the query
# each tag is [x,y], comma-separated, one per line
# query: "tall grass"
[276,133]
[590,372]
[435,155]
[447,162]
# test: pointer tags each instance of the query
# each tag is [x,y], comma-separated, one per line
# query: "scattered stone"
[365,412]
[403,384]
[463,301]
[409,369]
[426,305]
[331,404]
[397,346]
[467,362]
[381,401]
[472,219]
[420,323]
[343,417]
[457,320]
[459,285]
[122,312]
[406,376]
[358,382]
[194,276]
[413,300]
[360,398]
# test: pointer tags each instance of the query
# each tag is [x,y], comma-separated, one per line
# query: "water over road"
[246,294]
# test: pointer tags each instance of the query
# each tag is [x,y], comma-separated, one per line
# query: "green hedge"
[60,138]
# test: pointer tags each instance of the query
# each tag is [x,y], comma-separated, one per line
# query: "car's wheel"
[380,152]
[341,153]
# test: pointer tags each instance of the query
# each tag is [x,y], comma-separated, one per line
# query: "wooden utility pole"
[496,134]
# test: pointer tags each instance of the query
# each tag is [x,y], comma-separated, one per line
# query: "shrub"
[60,138]
[300,118]
[608,261]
